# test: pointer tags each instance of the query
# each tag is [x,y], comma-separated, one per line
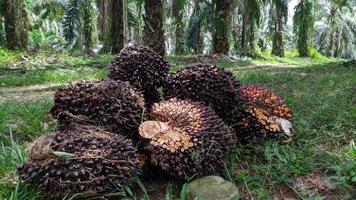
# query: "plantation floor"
[319,164]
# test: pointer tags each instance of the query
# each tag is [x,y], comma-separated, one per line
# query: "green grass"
[27,120]
[49,67]
[320,91]
[7,56]
[264,59]
[50,76]
[14,60]
[324,122]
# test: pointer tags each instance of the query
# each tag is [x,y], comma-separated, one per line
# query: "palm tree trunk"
[104,23]
[278,47]
[245,19]
[125,21]
[137,33]
[179,32]
[87,27]
[302,45]
[252,40]
[2,31]
[11,31]
[302,42]
[117,26]
[222,26]
[23,26]
[153,29]
[197,40]
[331,43]
[333,12]
[337,40]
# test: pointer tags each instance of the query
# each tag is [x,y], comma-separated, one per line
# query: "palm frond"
[198,17]
[71,21]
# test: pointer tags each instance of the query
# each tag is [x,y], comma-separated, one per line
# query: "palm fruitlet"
[113,104]
[214,86]
[143,68]
[83,159]
[264,114]
[186,138]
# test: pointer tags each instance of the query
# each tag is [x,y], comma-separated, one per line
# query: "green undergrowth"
[15,60]
[7,56]
[12,79]
[262,59]
[321,96]
[324,122]
[27,120]
[21,69]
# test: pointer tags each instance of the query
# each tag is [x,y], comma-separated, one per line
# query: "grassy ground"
[319,164]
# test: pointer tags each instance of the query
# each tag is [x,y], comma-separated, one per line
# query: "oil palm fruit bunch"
[143,68]
[82,159]
[186,138]
[266,98]
[214,86]
[264,114]
[113,104]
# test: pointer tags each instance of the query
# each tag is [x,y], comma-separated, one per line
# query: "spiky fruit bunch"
[264,114]
[186,138]
[114,104]
[267,99]
[214,86]
[143,68]
[84,159]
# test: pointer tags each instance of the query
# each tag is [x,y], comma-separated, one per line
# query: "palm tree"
[280,16]
[79,21]
[334,20]
[71,21]
[222,25]
[104,22]
[251,17]
[117,26]
[88,25]
[178,14]
[303,25]
[135,20]
[7,10]
[202,15]
[345,37]
[2,31]
[153,29]
[16,23]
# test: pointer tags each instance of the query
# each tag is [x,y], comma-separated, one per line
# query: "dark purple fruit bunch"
[264,115]
[84,159]
[143,68]
[214,86]
[186,138]
[113,104]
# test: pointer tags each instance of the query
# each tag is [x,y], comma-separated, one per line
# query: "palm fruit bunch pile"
[186,138]
[143,68]
[104,137]
[264,114]
[211,85]
[83,159]
[113,104]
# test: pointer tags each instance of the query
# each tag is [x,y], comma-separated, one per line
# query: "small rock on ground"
[211,188]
